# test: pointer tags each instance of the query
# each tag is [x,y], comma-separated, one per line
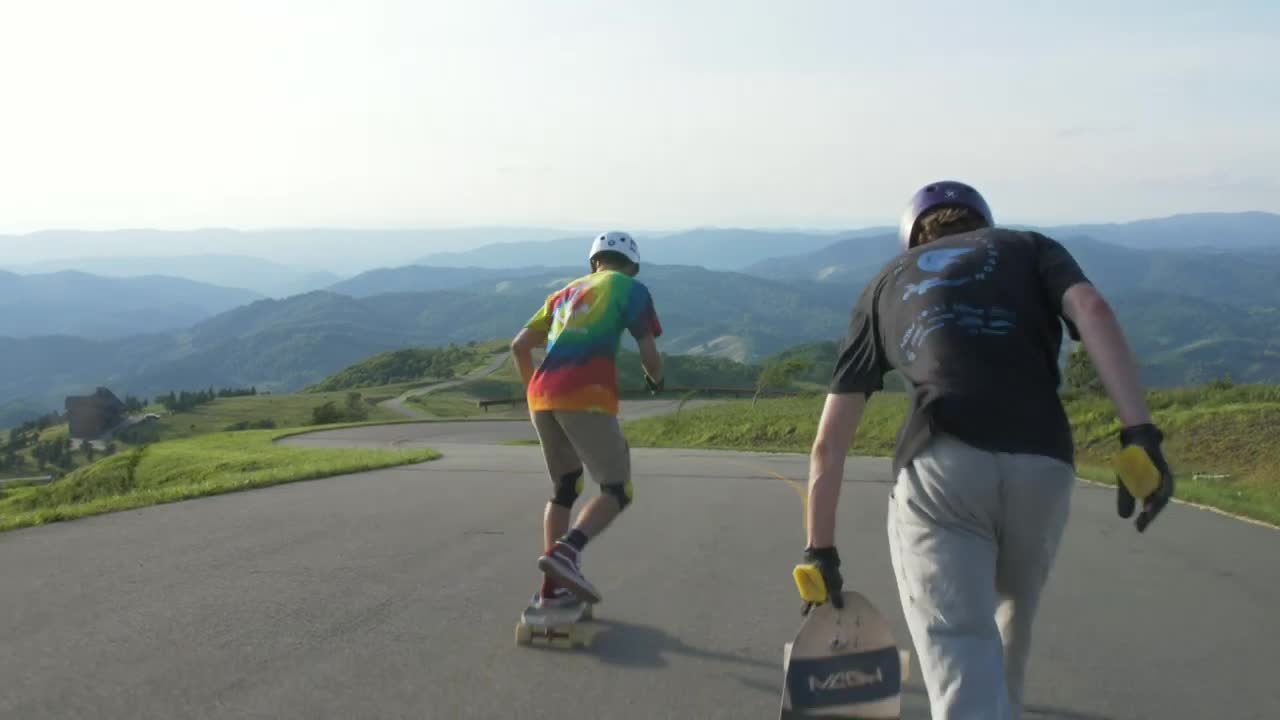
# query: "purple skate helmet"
[947,193]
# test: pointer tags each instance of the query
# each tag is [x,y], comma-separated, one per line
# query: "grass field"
[285,411]
[460,401]
[186,468]
[280,411]
[411,364]
[1209,431]
[30,468]
[775,425]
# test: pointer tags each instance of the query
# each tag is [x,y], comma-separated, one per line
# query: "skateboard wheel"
[523,635]
[588,613]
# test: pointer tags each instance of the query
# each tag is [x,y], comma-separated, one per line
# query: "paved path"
[33,478]
[399,404]
[394,594]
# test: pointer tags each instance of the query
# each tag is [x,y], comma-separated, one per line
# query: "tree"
[326,414]
[778,374]
[1081,375]
[356,409]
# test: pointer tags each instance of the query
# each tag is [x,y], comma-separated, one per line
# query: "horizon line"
[592,229]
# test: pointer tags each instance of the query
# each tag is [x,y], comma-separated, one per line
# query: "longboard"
[843,664]
[554,625]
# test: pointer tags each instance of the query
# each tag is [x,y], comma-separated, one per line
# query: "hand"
[1147,437]
[828,562]
[655,387]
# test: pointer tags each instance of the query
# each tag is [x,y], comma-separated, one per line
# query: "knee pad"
[568,488]
[621,492]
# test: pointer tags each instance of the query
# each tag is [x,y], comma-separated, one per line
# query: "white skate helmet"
[615,241]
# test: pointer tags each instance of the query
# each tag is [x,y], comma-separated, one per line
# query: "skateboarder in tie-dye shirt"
[573,402]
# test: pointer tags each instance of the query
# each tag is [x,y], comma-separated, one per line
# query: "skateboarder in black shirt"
[971,315]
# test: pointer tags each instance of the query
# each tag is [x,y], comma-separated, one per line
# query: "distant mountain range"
[284,345]
[280,263]
[76,303]
[1213,230]
[737,249]
[425,278]
[1244,276]
[712,248]
[337,250]
[1203,302]
[263,278]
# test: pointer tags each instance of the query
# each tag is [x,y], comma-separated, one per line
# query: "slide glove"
[1141,472]
[827,562]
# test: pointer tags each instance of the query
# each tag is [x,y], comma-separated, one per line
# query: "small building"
[92,415]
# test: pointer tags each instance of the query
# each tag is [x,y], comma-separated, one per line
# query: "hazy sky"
[655,114]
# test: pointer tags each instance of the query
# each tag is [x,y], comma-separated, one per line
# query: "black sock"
[575,538]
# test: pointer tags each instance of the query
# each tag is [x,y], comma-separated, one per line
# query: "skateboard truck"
[557,627]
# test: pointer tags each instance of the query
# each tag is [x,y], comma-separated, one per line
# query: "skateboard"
[843,663]
[554,624]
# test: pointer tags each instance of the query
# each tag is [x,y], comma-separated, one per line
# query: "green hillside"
[1183,340]
[1214,430]
[290,344]
[504,384]
[1179,341]
[1211,431]
[183,469]
[687,371]
[43,447]
[819,359]
[708,312]
[1191,314]
[460,401]
[412,365]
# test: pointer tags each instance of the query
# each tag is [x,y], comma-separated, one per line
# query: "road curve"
[394,594]
[398,404]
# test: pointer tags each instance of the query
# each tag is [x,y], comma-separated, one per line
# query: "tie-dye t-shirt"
[584,323]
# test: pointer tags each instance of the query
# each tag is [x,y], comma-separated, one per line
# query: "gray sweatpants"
[973,535]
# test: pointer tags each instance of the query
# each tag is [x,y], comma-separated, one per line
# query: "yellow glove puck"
[1134,468]
[810,583]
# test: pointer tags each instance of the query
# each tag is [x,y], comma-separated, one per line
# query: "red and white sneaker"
[561,563]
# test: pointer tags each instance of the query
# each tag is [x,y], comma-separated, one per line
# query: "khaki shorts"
[572,440]
[973,536]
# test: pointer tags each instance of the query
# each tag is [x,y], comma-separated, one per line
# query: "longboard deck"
[555,625]
[844,665]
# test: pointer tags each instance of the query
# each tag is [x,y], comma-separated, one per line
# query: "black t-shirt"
[973,322]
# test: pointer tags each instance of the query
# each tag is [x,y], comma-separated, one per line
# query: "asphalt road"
[394,594]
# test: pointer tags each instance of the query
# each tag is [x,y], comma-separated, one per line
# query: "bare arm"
[840,417]
[1108,350]
[650,357]
[522,351]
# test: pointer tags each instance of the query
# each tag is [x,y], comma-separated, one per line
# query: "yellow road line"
[796,485]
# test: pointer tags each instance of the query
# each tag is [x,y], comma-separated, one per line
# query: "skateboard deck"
[843,664]
[554,625]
